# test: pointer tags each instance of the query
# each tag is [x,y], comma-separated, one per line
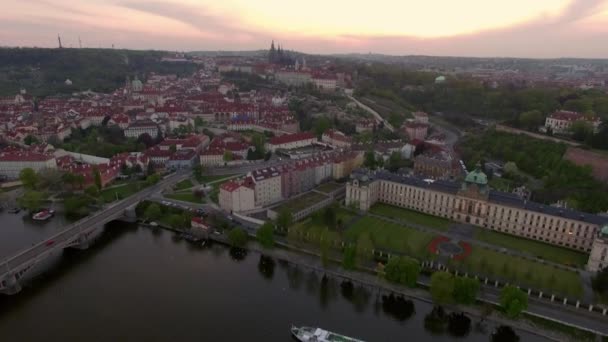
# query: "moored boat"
[313,334]
[14,210]
[43,215]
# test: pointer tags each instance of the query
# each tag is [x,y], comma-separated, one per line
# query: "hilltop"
[43,72]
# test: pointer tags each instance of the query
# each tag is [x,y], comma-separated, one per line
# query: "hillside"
[43,71]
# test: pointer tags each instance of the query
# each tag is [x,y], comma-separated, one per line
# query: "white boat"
[313,334]
[43,215]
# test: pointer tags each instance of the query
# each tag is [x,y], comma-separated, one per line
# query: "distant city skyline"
[517,28]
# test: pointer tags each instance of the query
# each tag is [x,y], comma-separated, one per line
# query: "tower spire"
[59,40]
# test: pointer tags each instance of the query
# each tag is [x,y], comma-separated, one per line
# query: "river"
[140,284]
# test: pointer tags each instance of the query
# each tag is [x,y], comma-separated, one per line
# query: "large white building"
[138,128]
[598,259]
[561,121]
[290,141]
[11,163]
[473,202]
[237,195]
[267,186]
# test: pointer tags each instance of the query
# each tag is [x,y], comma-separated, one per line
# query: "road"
[378,117]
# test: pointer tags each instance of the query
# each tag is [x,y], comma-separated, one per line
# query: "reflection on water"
[187,292]
[504,334]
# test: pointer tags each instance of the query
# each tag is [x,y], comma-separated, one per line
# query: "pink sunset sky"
[518,28]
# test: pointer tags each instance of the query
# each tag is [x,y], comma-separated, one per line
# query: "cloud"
[580,9]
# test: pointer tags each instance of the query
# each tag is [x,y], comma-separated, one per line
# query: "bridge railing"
[26,254]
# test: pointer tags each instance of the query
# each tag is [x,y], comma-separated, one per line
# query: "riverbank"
[367,278]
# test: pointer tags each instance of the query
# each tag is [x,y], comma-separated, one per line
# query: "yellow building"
[473,202]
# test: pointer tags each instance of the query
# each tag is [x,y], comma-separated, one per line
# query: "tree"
[513,301]
[150,169]
[581,130]
[267,156]
[531,119]
[28,178]
[369,159]
[511,169]
[504,333]
[259,142]
[284,218]
[31,200]
[321,125]
[30,140]
[324,245]
[173,148]
[197,171]
[329,217]
[265,235]
[395,162]
[402,270]
[442,287]
[76,205]
[92,191]
[237,237]
[228,155]
[97,177]
[153,212]
[199,122]
[152,179]
[465,290]
[349,258]
[600,282]
[365,247]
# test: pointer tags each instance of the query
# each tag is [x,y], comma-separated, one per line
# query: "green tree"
[153,212]
[531,119]
[265,235]
[76,205]
[442,287]
[513,301]
[365,248]
[465,290]
[175,221]
[259,141]
[173,148]
[600,282]
[199,122]
[581,130]
[152,179]
[197,171]
[284,218]
[31,200]
[92,191]
[395,162]
[511,169]
[30,140]
[324,246]
[97,177]
[228,155]
[237,237]
[349,258]
[369,160]
[403,270]
[150,169]
[329,217]
[321,125]
[28,178]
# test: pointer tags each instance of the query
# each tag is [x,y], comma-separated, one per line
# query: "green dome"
[604,231]
[477,177]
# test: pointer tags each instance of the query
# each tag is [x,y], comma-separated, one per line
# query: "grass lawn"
[186,197]
[410,216]
[344,215]
[310,231]
[207,178]
[328,187]
[539,249]
[523,272]
[391,236]
[302,202]
[110,195]
[183,185]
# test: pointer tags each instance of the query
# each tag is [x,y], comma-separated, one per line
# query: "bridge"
[77,235]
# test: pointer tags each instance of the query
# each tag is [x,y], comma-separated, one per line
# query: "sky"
[494,28]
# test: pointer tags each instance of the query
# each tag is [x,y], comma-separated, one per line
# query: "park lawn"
[183,185]
[523,272]
[302,202]
[536,248]
[328,187]
[344,215]
[391,237]
[186,197]
[411,216]
[310,231]
[208,178]
[123,191]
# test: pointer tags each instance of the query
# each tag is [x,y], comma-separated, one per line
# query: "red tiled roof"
[288,138]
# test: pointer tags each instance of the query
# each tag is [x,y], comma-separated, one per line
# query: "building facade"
[473,202]
[11,163]
[598,259]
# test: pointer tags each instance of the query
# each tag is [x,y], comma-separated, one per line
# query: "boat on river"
[314,334]
[43,215]
[14,210]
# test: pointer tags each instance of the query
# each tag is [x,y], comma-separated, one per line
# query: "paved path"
[378,117]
